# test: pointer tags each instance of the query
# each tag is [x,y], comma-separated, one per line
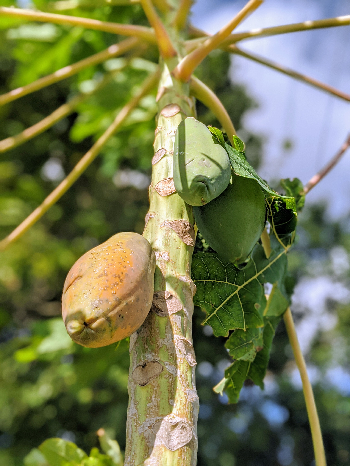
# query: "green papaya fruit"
[201,167]
[232,223]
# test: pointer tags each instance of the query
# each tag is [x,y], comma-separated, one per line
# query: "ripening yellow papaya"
[108,291]
[232,223]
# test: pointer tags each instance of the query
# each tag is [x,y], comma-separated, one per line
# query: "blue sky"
[316,122]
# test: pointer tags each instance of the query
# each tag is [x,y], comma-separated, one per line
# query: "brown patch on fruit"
[183,229]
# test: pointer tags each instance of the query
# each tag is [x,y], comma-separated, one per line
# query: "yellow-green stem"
[289,72]
[112,51]
[124,29]
[57,115]
[165,45]
[186,67]
[316,434]
[80,166]
[288,28]
[203,93]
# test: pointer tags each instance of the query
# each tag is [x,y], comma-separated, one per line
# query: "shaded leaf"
[234,298]
[245,344]
[110,447]
[277,302]
[235,375]
[257,370]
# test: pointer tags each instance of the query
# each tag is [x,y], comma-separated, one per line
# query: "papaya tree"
[204,196]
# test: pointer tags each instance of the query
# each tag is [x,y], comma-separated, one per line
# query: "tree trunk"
[163,402]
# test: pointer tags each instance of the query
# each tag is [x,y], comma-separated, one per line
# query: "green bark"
[163,402]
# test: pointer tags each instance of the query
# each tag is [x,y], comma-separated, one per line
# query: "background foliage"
[53,388]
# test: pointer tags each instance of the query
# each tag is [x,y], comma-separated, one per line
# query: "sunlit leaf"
[58,452]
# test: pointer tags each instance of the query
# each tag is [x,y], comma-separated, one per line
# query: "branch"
[124,29]
[72,4]
[328,167]
[47,122]
[182,13]
[162,5]
[287,28]
[203,93]
[165,45]
[316,434]
[189,63]
[112,51]
[289,72]
[200,36]
[81,166]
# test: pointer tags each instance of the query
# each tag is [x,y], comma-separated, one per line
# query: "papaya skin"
[108,292]
[201,167]
[232,223]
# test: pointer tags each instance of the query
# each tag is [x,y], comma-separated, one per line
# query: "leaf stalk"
[123,29]
[189,63]
[112,51]
[203,93]
[81,166]
[316,434]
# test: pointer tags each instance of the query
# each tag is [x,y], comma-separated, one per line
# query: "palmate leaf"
[235,304]
[244,344]
[255,369]
[232,383]
[232,298]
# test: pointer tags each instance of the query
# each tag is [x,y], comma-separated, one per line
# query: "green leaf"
[238,144]
[235,375]
[232,298]
[244,344]
[110,447]
[218,135]
[257,370]
[277,302]
[35,458]
[59,452]
[294,188]
[57,340]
